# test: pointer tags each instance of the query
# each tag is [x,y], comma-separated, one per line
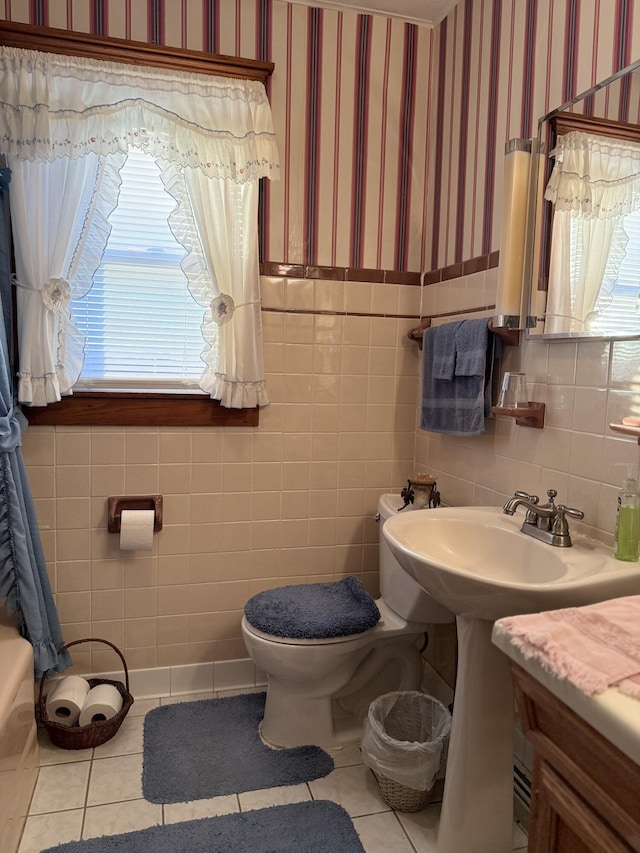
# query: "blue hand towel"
[471,339]
[444,356]
[457,406]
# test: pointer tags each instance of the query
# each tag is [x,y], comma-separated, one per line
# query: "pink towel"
[593,647]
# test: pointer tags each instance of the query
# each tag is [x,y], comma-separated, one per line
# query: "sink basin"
[476,562]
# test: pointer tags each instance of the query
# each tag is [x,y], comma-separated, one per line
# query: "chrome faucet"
[546,522]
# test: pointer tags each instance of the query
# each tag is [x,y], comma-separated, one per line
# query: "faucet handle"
[572,513]
[527,497]
[560,525]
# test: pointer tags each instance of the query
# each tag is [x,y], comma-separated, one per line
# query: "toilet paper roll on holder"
[116,503]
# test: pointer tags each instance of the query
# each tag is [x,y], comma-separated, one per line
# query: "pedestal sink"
[476,562]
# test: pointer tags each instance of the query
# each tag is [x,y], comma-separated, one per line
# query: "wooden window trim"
[108,409]
[567,122]
[110,49]
[87,408]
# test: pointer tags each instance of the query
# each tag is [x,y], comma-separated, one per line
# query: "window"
[618,304]
[207,139]
[594,250]
[141,324]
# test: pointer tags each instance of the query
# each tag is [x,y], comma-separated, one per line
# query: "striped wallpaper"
[391,135]
[498,66]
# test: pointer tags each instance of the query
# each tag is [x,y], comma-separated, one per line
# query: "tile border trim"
[326,313]
[378,276]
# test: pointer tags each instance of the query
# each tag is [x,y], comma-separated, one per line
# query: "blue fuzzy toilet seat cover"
[316,611]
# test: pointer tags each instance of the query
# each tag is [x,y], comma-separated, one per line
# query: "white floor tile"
[51,754]
[422,827]
[195,809]
[382,833]
[354,788]
[115,779]
[114,818]
[109,781]
[280,796]
[46,830]
[60,787]
[141,706]
[346,757]
[126,741]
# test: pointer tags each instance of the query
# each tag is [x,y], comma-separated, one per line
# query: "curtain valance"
[595,176]
[65,106]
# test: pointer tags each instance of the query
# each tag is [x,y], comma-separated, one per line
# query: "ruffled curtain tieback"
[11,426]
[223,307]
[56,293]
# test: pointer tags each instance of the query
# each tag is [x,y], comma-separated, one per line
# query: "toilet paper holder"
[116,503]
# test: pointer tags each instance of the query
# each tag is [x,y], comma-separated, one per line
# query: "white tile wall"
[585,386]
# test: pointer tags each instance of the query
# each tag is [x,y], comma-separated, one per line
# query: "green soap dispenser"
[627,522]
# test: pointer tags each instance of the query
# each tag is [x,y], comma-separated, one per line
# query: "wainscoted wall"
[408,178]
[566,46]
[294,499]
[244,509]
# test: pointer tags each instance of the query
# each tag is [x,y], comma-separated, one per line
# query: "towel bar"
[510,337]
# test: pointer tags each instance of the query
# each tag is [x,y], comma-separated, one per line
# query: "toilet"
[320,686]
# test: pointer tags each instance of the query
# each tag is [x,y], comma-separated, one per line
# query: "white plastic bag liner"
[405,738]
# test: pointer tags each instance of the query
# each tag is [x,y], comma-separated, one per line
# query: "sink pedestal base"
[477,807]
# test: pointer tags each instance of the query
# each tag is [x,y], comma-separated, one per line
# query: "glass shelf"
[531,415]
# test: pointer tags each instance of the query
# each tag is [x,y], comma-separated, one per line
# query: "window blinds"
[142,325]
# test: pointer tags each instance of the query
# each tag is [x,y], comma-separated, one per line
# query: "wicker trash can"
[405,743]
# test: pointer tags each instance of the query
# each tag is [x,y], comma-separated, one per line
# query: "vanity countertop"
[612,713]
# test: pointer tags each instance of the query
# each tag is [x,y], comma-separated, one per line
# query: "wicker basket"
[86,737]
[400,797]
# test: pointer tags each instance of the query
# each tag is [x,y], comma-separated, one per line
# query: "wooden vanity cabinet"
[586,792]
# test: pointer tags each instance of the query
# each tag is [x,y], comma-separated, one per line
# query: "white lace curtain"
[67,125]
[595,183]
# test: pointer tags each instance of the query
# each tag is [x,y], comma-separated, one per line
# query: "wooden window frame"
[135,409]
[561,124]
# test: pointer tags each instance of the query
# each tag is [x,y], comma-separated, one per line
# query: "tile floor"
[86,793]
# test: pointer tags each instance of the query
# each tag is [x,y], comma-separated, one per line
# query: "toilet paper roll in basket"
[99,732]
[66,699]
[102,703]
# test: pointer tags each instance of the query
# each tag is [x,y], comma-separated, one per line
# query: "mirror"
[559,240]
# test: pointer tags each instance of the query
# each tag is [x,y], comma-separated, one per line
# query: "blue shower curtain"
[24,582]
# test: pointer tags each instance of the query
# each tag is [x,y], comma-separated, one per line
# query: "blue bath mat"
[317,826]
[197,750]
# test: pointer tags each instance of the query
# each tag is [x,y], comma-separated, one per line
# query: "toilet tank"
[398,589]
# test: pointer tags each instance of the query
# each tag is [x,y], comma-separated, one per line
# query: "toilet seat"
[389,624]
[301,641]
